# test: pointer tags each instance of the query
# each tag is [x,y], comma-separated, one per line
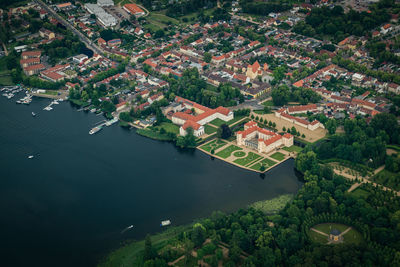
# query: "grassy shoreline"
[126,255]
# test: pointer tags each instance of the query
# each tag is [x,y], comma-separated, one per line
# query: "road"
[82,37]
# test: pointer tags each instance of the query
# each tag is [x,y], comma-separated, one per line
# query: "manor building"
[262,140]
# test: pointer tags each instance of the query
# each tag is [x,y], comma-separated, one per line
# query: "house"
[31,54]
[114,42]
[133,9]
[254,70]
[79,58]
[386,28]
[45,33]
[394,88]
[33,69]
[282,113]
[262,140]
[138,31]
[202,115]
[105,2]
[29,62]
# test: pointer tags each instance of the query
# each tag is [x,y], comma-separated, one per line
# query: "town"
[251,83]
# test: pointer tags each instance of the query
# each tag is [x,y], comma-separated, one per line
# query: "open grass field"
[215,144]
[251,157]
[293,149]
[267,163]
[217,122]
[351,237]
[169,127]
[272,205]
[225,153]
[278,156]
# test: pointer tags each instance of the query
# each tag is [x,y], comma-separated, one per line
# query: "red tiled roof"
[302,108]
[192,124]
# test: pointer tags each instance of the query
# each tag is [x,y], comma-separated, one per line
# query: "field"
[169,127]
[267,163]
[153,134]
[273,205]
[327,227]
[251,157]
[318,238]
[5,77]
[217,122]
[215,144]
[278,156]
[225,153]
[293,149]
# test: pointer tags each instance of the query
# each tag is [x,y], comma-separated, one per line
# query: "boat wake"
[126,229]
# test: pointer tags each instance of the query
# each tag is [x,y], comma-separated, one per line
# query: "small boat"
[54,102]
[95,130]
[33,114]
[165,223]
[30,157]
[111,122]
[48,108]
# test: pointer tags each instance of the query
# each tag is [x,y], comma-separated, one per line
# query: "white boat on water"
[165,223]
[95,130]
[54,102]
[33,114]
[30,157]
[48,108]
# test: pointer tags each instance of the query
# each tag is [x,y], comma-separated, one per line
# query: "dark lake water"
[68,205]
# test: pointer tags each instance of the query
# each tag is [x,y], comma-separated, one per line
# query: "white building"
[203,116]
[262,140]
[102,16]
[105,2]
[79,58]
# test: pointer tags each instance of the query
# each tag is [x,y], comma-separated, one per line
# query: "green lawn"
[267,163]
[215,144]
[209,129]
[327,227]
[234,120]
[251,157]
[169,127]
[218,122]
[388,178]
[353,236]
[278,156]
[239,154]
[293,149]
[318,238]
[6,80]
[272,205]
[360,193]
[268,103]
[153,134]
[227,151]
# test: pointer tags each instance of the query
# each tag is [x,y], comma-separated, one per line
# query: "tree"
[225,132]
[207,57]
[280,95]
[159,33]
[198,234]
[234,253]
[331,126]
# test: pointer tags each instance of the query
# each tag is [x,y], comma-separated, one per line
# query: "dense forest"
[362,142]
[264,8]
[334,22]
[283,94]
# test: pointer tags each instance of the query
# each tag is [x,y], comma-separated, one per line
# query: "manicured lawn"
[353,236]
[278,156]
[267,163]
[234,120]
[215,144]
[239,154]
[153,134]
[293,148]
[218,122]
[6,80]
[169,127]
[209,129]
[247,160]
[327,227]
[227,151]
[318,238]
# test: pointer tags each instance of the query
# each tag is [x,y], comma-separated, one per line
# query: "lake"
[68,205]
